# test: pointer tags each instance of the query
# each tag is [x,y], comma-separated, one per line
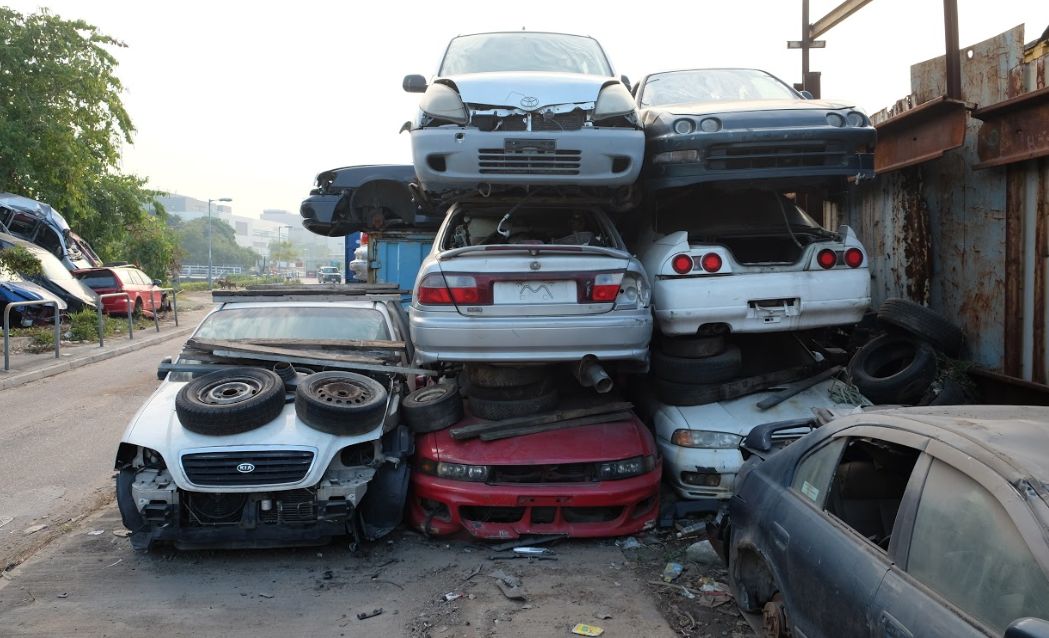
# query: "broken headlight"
[454,471]
[673,157]
[626,468]
[442,102]
[704,439]
[614,101]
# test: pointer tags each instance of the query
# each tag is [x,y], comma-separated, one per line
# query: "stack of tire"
[690,370]
[899,365]
[497,392]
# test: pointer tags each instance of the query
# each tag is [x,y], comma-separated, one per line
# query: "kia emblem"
[245,468]
[529,102]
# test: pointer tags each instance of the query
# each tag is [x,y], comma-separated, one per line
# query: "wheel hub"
[342,392]
[774,618]
[228,392]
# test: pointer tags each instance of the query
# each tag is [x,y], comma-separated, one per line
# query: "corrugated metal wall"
[969,242]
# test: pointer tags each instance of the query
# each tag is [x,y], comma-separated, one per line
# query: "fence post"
[7,327]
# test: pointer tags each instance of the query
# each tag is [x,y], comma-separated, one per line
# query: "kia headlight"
[442,102]
[613,101]
[705,439]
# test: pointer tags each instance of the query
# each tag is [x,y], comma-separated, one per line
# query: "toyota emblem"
[529,102]
[245,468]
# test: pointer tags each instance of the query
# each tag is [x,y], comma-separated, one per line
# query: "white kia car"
[524,108]
[746,261]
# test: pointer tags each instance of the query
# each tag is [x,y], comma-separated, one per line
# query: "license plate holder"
[526,146]
[534,292]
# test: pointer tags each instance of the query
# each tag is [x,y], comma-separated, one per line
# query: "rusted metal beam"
[1012,361]
[1014,130]
[920,134]
[835,16]
[954,54]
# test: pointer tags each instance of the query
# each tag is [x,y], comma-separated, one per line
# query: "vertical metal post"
[954,56]
[7,341]
[101,326]
[174,305]
[58,331]
[153,309]
[805,41]
[209,244]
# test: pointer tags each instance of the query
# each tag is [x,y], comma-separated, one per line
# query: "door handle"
[892,628]
[780,536]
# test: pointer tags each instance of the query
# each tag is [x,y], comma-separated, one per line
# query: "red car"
[129,279]
[594,480]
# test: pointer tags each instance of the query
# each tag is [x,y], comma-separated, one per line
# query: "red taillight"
[826,258]
[606,287]
[854,258]
[437,289]
[711,262]
[364,239]
[434,291]
[682,264]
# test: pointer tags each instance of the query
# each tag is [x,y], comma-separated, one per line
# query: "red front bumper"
[606,508]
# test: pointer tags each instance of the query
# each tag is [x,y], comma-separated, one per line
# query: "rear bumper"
[449,336]
[505,511]
[828,298]
[451,156]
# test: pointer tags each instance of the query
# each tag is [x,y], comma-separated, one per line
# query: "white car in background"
[747,261]
[524,108]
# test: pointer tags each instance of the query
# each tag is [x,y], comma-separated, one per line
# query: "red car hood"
[587,444]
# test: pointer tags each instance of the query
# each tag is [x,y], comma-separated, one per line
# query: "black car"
[355,198]
[704,125]
[918,522]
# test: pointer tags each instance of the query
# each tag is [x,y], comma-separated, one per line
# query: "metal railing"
[102,314]
[153,306]
[7,327]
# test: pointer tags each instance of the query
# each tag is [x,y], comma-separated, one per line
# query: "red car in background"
[137,284]
[589,481]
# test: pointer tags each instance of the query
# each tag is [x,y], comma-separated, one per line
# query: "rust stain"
[1014,272]
[913,234]
[1041,253]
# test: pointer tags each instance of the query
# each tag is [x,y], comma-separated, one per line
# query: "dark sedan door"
[963,566]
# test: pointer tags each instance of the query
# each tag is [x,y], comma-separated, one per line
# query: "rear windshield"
[712,85]
[296,322]
[544,52]
[561,226]
[95,280]
[711,214]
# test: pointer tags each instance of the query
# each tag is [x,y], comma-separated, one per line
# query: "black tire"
[433,408]
[925,324]
[136,312]
[491,376]
[230,401]
[499,409]
[952,393]
[673,393]
[893,369]
[340,403]
[692,347]
[516,393]
[712,369]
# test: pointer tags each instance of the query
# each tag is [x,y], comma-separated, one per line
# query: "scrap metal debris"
[364,615]
[672,571]
[583,629]
[529,542]
[33,530]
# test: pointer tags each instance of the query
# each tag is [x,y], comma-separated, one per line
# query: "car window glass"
[713,214]
[965,547]
[297,322]
[545,52]
[814,472]
[138,277]
[710,85]
[868,486]
[566,227]
[23,225]
[48,239]
[98,279]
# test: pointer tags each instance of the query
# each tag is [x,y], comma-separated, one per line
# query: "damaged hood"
[597,443]
[156,426]
[528,90]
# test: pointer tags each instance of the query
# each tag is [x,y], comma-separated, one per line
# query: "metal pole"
[954,56]
[153,309]
[209,244]
[101,325]
[58,331]
[805,43]
[174,305]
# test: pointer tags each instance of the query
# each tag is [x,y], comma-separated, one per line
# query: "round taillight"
[711,262]
[854,258]
[826,258]
[364,239]
[682,264]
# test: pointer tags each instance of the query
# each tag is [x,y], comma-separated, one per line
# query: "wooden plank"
[523,430]
[325,363]
[475,430]
[353,344]
[240,346]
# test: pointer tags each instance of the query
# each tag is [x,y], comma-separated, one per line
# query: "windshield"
[544,52]
[294,322]
[329,269]
[556,226]
[713,85]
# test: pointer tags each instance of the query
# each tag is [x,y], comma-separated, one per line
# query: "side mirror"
[807,95]
[414,84]
[1028,628]
[161,372]
[626,81]
[158,283]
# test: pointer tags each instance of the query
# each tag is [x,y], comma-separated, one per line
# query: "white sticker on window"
[810,490]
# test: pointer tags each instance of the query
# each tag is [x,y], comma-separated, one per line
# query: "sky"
[252,100]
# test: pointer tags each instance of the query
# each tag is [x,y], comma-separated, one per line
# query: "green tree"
[193,242]
[62,123]
[283,251]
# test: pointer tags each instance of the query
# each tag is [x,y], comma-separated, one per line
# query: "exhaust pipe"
[591,374]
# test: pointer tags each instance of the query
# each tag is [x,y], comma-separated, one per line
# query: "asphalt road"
[58,438]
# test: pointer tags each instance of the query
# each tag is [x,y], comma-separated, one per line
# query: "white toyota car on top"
[748,261]
[525,108]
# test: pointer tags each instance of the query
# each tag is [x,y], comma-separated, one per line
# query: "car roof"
[1012,440]
[575,35]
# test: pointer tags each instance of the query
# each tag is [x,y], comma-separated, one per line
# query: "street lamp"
[220,199]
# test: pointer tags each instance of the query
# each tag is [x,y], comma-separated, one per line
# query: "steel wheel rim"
[430,394]
[229,391]
[341,392]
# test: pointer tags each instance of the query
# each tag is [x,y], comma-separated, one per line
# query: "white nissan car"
[524,108]
[746,261]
